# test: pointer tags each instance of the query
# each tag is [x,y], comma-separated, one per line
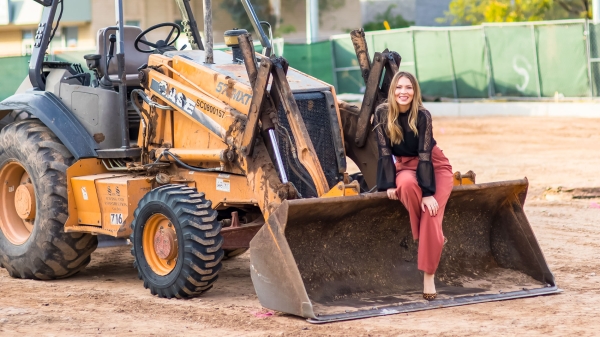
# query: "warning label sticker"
[223,185]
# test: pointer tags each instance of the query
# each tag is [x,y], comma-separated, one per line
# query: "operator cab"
[137,50]
[104,65]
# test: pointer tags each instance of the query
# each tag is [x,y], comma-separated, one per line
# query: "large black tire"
[14,116]
[49,252]
[199,241]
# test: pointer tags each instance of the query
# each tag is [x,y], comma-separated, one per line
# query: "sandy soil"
[108,299]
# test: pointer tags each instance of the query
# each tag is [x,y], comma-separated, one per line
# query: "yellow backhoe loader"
[196,156]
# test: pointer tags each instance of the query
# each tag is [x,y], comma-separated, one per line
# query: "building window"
[28,34]
[27,42]
[70,36]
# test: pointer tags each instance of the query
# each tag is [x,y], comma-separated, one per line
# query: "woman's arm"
[386,170]
[425,174]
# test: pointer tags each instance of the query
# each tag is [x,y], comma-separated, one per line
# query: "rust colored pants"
[425,228]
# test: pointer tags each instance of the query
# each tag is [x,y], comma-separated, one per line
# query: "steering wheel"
[160,43]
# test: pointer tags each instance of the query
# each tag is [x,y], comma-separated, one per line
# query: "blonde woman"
[414,170]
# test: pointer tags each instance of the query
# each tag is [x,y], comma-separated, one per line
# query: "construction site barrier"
[525,59]
[528,60]
[13,70]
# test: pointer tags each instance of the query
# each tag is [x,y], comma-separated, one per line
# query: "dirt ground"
[108,299]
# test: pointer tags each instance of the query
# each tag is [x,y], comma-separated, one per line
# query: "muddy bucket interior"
[351,257]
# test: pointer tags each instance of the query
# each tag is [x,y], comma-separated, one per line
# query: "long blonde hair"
[393,129]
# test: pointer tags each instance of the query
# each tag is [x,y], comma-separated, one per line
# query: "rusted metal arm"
[370,99]
[249,55]
[306,152]
[239,236]
[391,68]
[259,80]
[362,52]
[374,95]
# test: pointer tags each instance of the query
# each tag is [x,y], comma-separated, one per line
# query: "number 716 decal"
[116,218]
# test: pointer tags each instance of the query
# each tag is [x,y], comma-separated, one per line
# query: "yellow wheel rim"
[159,241]
[17,203]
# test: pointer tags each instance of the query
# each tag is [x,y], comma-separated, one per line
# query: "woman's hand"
[391,193]
[431,205]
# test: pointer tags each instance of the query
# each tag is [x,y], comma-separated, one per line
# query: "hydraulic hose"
[184,165]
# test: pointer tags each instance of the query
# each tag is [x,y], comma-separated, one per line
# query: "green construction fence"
[12,70]
[515,60]
[531,60]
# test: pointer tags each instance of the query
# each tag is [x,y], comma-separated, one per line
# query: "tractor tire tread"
[51,253]
[201,234]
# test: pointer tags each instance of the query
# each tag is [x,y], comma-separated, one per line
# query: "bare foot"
[429,284]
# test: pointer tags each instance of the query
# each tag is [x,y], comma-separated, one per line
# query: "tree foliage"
[239,16]
[580,8]
[474,12]
[395,21]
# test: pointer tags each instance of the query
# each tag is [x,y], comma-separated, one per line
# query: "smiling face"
[404,93]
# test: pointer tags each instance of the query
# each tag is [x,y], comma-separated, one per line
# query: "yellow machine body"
[108,200]
[103,203]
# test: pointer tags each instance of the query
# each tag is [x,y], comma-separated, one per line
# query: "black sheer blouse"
[411,146]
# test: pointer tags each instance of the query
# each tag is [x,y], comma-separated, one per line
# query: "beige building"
[19,20]
[82,18]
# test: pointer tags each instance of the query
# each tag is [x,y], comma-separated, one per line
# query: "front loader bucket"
[343,258]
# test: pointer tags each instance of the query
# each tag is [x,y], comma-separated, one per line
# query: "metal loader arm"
[359,140]
[362,52]
[306,151]
[371,73]
[261,107]
[259,80]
